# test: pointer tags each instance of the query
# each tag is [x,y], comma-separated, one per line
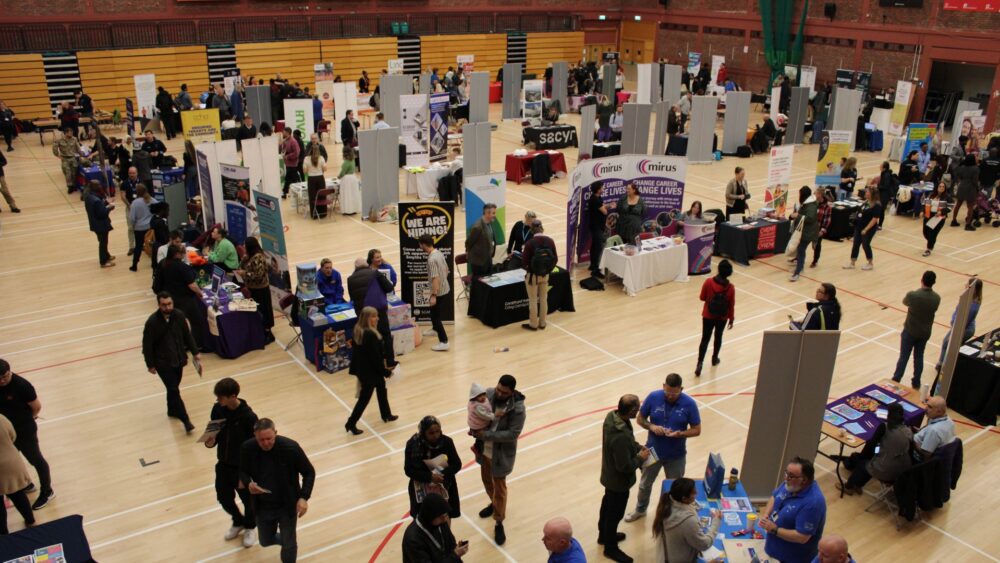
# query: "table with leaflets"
[502,298]
[62,539]
[659,260]
[975,384]
[232,329]
[735,507]
[915,207]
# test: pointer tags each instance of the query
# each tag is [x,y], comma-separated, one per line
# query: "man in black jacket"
[270,466]
[166,339]
[358,284]
[247,130]
[237,420]
[154,147]
[349,130]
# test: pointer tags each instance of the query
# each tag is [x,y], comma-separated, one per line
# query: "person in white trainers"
[438,276]
[671,417]
[237,419]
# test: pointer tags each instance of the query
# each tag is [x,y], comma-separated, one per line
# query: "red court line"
[79,359]
[974,425]
[932,265]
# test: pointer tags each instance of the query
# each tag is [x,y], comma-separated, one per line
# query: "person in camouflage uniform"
[68,151]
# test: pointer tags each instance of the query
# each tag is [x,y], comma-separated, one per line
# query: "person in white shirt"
[617,120]
[176,239]
[313,167]
[380,122]
[940,429]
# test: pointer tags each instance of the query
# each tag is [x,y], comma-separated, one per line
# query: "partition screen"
[588,114]
[701,132]
[635,128]
[560,76]
[797,115]
[734,130]
[511,91]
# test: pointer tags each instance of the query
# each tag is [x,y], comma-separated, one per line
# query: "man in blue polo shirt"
[671,418]
[795,515]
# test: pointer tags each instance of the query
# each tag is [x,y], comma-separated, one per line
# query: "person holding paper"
[935,214]
[431,462]
[236,420]
[621,455]
[166,341]
[795,515]
[671,417]
[677,528]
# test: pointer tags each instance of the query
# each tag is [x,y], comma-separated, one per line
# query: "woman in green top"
[806,217]
[223,252]
[348,166]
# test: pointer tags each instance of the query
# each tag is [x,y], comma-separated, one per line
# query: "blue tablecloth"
[86,174]
[68,531]
[705,506]
[312,341]
[239,332]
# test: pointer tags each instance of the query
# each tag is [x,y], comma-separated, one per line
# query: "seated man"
[155,148]
[223,253]
[940,429]
[329,283]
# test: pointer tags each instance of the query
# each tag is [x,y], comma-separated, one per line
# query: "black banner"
[438,220]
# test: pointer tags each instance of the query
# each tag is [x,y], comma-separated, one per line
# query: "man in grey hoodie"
[496,461]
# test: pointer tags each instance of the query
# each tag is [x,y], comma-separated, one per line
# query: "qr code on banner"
[422,294]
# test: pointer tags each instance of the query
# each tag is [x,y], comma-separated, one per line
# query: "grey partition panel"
[588,115]
[608,81]
[511,91]
[797,115]
[258,102]
[662,110]
[960,108]
[955,341]
[176,197]
[844,111]
[424,84]
[479,97]
[734,129]
[671,84]
[635,128]
[560,76]
[793,383]
[654,83]
[368,151]
[477,146]
[392,87]
[388,165]
[701,131]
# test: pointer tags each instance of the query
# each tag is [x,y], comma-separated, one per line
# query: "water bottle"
[734,477]
[498,349]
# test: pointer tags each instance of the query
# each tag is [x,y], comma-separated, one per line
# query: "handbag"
[793,241]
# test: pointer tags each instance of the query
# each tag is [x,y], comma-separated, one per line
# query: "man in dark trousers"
[540,258]
[349,130]
[359,285]
[621,455]
[166,340]
[20,404]
[236,419]
[270,466]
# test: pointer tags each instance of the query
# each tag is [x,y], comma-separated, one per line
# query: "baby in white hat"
[480,410]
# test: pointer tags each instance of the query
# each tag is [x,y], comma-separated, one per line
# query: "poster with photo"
[970,131]
[900,107]
[480,190]
[414,128]
[466,63]
[145,94]
[230,80]
[436,219]
[807,77]
[395,66]
[694,63]
[779,173]
[324,88]
[439,126]
[918,133]
[272,240]
[531,107]
[833,146]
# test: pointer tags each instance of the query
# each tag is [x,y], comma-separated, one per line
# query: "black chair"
[541,169]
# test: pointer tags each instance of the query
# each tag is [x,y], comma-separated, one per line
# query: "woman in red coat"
[719,296]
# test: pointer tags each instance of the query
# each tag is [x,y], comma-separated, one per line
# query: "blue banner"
[917,133]
[236,221]
[272,240]
[439,126]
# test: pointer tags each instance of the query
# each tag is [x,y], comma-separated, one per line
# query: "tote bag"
[793,241]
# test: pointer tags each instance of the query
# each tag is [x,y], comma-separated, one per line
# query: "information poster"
[694,63]
[531,107]
[779,173]
[201,125]
[272,240]
[901,107]
[700,240]
[324,88]
[439,126]
[130,118]
[845,78]
[205,184]
[792,73]
[807,77]
[235,182]
[145,94]
[717,62]
[862,80]
[918,133]
[237,222]
[436,219]
[466,63]
[414,128]
[230,79]
[480,190]
[833,146]
[396,66]
[659,179]
[970,127]
[299,115]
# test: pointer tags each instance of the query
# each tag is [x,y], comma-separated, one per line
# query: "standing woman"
[865,224]
[805,219]
[140,217]
[848,177]
[314,167]
[935,208]
[677,526]
[967,178]
[14,477]
[970,323]
[368,365]
[297,136]
[348,166]
[597,213]
[427,444]
[190,170]
[254,270]
[631,213]
[886,188]
[824,215]
[719,296]
[737,193]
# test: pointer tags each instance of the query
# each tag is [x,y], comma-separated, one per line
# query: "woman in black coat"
[428,539]
[520,233]
[368,365]
[429,443]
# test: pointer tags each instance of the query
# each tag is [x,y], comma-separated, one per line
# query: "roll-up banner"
[436,219]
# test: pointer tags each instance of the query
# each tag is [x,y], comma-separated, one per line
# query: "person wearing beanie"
[428,538]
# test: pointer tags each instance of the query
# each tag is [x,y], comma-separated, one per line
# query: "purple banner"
[700,238]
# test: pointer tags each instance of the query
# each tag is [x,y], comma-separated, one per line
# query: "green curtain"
[776,21]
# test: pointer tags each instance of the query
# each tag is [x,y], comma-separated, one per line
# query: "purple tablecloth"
[239,333]
[868,420]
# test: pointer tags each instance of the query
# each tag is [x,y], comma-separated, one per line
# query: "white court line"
[76,311]
[44,231]
[968,248]
[76,303]
[51,334]
[488,538]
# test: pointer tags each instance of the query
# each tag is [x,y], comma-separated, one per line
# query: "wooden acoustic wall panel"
[23,87]
[294,60]
[109,76]
[351,56]
[490,50]
[544,48]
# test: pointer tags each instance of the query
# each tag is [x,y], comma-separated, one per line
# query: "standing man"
[99,219]
[795,514]
[921,305]
[597,220]
[437,276]
[290,155]
[237,420]
[68,150]
[540,257]
[671,417]
[166,340]
[923,158]
[86,106]
[496,461]
[127,195]
[349,130]
[20,404]
[557,535]
[270,466]
[183,99]
[364,83]
[481,243]
[621,455]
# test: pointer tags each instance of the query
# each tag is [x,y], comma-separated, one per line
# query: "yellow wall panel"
[294,60]
[351,56]
[108,76]
[441,51]
[544,48]
[23,87]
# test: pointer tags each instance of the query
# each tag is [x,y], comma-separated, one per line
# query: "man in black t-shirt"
[20,404]
[597,222]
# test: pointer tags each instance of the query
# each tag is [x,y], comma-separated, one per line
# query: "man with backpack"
[540,259]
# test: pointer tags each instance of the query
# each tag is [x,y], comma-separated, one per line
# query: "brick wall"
[674,45]
[973,21]
[918,17]
[20,8]
[889,67]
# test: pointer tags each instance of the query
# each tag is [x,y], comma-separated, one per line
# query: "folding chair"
[882,497]
[461,260]
[289,305]
[326,197]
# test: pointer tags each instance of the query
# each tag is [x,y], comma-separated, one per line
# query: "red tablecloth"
[623,96]
[518,167]
[496,92]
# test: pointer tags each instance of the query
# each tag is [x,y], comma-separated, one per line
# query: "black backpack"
[542,261]
[718,306]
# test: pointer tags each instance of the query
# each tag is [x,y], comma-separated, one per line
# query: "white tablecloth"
[647,268]
[425,183]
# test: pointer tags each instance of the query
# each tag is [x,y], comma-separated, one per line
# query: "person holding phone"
[884,457]
[428,538]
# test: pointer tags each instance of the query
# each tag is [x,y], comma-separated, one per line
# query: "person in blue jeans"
[970,323]
[865,224]
[921,305]
[671,417]
[805,220]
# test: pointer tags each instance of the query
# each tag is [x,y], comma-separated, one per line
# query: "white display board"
[145,95]
[644,83]
[345,97]
[299,115]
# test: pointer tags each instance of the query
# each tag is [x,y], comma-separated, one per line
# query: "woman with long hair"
[368,365]
[677,526]
[719,296]
[967,180]
[631,213]
[888,460]
[805,220]
[935,209]
[140,217]
[865,225]
[348,166]
[970,323]
[254,270]
[848,176]
[190,169]
[430,443]
[314,167]
[693,214]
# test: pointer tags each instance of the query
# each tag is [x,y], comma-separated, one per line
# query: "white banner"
[775,103]
[717,62]
[644,78]
[413,129]
[531,106]
[779,168]
[480,190]
[466,63]
[807,77]
[396,66]
[145,95]
[345,97]
[299,115]
[901,107]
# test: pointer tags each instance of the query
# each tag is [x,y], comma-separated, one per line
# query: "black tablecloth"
[499,306]
[841,223]
[68,531]
[602,150]
[975,388]
[677,145]
[551,137]
[743,244]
